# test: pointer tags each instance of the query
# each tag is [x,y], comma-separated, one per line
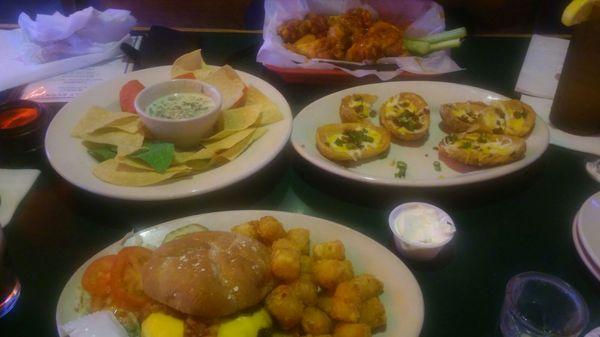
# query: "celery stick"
[417,47]
[444,45]
[421,48]
[444,36]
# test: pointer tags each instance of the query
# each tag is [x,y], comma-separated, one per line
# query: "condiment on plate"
[420,230]
[180,111]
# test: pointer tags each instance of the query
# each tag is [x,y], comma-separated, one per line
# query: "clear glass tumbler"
[541,305]
[10,288]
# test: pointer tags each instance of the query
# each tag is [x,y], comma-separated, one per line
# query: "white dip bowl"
[419,250]
[185,132]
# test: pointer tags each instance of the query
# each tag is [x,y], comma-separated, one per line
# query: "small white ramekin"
[417,250]
[182,132]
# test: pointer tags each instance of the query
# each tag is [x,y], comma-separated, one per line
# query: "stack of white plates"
[586,234]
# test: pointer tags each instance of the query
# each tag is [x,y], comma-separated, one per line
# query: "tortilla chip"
[129,126]
[97,118]
[199,165]
[114,172]
[270,111]
[229,84]
[133,163]
[238,148]
[187,63]
[238,119]
[184,157]
[228,142]
[125,142]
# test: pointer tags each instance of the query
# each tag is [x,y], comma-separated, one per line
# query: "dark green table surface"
[515,224]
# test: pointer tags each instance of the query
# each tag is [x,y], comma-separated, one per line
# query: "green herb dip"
[181,105]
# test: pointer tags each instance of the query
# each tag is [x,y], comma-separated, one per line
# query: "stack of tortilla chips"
[246,113]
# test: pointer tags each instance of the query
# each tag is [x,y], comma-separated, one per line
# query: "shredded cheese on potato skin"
[356,153]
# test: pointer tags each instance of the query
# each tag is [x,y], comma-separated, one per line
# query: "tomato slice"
[128,93]
[126,277]
[96,278]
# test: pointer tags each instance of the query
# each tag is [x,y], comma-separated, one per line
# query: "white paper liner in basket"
[427,18]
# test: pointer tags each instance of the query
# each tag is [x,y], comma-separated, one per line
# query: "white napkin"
[55,44]
[542,66]
[14,185]
[542,106]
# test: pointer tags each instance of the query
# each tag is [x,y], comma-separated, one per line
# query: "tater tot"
[324,303]
[352,330]
[269,229]
[348,291]
[306,265]
[315,321]
[301,238]
[247,229]
[306,291]
[329,273]
[284,243]
[329,250]
[285,264]
[368,286]
[345,311]
[285,307]
[372,313]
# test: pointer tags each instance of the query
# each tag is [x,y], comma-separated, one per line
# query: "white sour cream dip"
[423,224]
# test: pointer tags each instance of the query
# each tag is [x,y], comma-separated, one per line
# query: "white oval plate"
[402,296]
[69,158]
[589,227]
[421,172]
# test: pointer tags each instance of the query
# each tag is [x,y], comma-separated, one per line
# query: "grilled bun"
[209,274]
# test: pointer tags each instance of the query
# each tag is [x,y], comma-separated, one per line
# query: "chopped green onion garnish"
[401,166]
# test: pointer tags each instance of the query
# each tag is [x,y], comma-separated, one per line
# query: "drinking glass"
[10,288]
[541,305]
[576,107]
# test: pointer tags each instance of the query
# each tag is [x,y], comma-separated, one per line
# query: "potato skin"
[452,122]
[348,114]
[404,134]
[328,152]
[479,158]
[509,108]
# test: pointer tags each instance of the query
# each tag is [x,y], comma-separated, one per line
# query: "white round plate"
[69,158]
[420,172]
[583,254]
[589,227]
[402,296]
